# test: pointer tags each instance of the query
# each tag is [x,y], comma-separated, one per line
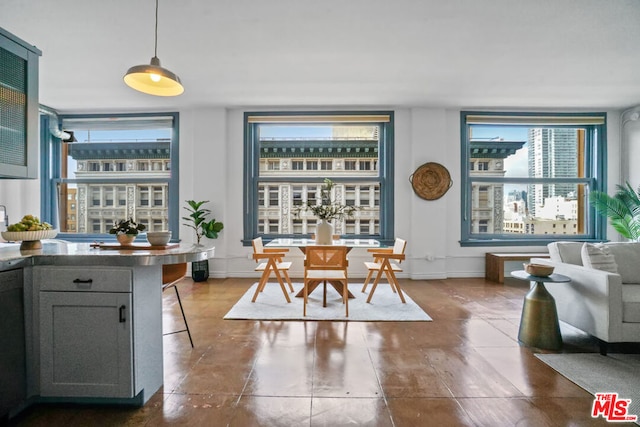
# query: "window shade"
[118,123]
[328,118]
[535,120]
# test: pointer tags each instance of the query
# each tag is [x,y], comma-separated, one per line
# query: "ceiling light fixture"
[153,78]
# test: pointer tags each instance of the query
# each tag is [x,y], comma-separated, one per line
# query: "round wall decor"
[431,181]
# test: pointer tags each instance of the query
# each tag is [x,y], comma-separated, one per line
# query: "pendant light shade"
[153,78]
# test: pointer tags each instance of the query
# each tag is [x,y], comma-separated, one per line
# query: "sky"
[515,165]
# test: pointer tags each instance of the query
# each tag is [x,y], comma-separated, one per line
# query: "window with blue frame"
[289,154]
[526,177]
[111,167]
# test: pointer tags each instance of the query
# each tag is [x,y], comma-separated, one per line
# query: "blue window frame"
[526,177]
[309,147]
[109,167]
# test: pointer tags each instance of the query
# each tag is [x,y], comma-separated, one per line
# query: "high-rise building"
[552,153]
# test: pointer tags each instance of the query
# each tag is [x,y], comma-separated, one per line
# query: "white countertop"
[56,252]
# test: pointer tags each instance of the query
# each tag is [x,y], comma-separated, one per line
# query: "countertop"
[56,252]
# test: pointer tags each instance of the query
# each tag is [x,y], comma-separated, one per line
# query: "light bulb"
[155,77]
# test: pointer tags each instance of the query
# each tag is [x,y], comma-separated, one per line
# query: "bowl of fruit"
[30,231]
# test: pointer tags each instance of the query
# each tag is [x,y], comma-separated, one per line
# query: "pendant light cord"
[155,49]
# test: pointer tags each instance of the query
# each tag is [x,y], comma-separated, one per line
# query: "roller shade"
[328,118]
[536,120]
[118,123]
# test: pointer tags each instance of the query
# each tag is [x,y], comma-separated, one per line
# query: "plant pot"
[324,233]
[200,270]
[126,239]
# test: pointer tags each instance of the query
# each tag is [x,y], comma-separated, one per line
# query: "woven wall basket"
[431,181]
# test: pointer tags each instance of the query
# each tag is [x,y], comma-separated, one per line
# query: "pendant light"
[153,78]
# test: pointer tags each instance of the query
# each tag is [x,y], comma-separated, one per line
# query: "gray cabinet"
[85,341]
[13,377]
[100,332]
[18,107]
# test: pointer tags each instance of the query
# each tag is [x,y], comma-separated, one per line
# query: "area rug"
[615,373]
[271,305]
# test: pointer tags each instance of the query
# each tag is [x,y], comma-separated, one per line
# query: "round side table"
[539,325]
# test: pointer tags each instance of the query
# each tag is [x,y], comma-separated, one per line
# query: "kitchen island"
[93,320]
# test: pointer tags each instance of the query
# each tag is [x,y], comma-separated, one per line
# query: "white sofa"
[601,303]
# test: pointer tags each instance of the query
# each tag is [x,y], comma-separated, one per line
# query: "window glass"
[117,167]
[528,177]
[310,147]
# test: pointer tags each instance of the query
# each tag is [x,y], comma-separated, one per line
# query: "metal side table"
[539,325]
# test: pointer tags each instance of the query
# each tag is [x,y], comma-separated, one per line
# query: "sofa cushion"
[599,257]
[631,303]
[627,256]
[567,252]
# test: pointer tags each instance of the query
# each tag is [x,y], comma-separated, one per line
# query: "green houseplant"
[326,211]
[126,230]
[622,209]
[209,228]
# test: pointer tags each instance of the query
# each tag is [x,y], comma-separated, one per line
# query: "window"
[273,165]
[346,147]
[527,175]
[365,165]
[118,168]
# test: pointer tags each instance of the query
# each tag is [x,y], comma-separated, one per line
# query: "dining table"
[302,242]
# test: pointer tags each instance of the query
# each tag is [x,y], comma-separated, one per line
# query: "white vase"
[324,233]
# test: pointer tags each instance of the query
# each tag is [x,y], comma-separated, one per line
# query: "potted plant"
[126,230]
[622,209]
[203,227]
[326,211]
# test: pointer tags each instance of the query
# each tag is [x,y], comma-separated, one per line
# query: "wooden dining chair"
[387,261]
[274,264]
[171,276]
[326,263]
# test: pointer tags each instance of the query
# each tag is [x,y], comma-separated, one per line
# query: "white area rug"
[271,305]
[615,373]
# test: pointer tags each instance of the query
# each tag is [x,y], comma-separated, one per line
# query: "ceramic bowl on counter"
[158,238]
[29,239]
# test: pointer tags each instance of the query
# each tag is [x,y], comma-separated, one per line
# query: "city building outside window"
[346,147]
[527,177]
[118,167]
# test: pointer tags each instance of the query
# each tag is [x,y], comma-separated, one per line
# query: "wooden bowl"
[538,269]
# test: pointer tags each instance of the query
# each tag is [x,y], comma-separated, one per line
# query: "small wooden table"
[494,263]
[539,326]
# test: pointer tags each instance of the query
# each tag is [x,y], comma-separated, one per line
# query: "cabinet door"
[18,107]
[85,342]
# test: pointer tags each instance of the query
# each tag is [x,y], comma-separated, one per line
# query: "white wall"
[214,140]
[211,168]
[21,197]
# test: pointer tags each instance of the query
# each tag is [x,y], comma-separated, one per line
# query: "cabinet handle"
[122,318]
[83,281]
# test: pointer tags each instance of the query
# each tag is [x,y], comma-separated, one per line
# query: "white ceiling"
[303,53]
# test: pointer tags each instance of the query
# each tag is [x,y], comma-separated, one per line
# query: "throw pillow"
[598,257]
[627,256]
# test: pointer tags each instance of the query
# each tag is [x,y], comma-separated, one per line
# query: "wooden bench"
[494,263]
